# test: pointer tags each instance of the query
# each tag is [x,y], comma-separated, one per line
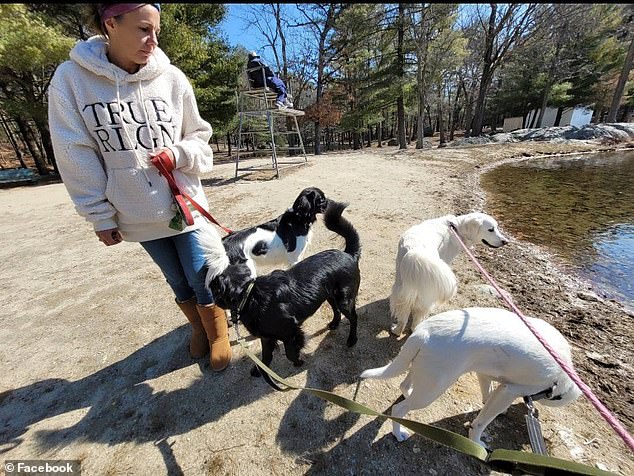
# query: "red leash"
[165,166]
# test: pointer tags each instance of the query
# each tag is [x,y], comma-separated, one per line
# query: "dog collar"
[246,296]
[544,394]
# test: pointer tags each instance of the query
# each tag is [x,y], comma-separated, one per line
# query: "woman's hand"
[109,237]
[170,154]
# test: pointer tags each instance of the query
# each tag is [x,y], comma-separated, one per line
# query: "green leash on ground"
[500,460]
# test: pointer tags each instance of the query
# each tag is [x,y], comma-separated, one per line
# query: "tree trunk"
[400,108]
[319,91]
[45,134]
[229,143]
[549,84]
[468,116]
[620,85]
[24,131]
[542,110]
[7,128]
[478,117]
[423,46]
[453,116]
[379,134]
[420,117]
[486,73]
[441,122]
[400,58]
[626,113]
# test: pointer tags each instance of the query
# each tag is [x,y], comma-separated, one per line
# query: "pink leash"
[605,413]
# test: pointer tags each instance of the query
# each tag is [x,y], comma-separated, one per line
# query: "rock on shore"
[603,133]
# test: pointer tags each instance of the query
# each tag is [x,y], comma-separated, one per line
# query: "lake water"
[580,207]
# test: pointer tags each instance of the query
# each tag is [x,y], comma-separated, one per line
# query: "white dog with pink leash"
[492,342]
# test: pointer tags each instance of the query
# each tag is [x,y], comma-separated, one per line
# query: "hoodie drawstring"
[147,116]
[125,130]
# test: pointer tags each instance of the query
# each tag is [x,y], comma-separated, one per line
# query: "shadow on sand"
[122,407]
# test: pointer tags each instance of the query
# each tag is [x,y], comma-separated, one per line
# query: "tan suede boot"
[214,321]
[198,345]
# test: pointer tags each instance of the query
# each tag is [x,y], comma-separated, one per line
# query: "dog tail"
[400,364]
[214,253]
[335,222]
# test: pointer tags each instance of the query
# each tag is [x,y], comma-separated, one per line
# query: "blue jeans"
[278,86]
[181,260]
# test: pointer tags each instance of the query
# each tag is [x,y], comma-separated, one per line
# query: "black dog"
[281,241]
[274,306]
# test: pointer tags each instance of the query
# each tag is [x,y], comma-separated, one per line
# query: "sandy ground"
[94,353]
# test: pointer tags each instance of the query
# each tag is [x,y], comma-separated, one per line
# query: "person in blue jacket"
[255,67]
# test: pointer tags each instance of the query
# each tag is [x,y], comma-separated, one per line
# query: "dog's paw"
[255,371]
[397,329]
[476,438]
[352,341]
[298,363]
[406,390]
[401,435]
[482,443]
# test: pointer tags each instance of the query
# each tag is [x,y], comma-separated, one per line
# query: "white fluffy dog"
[423,276]
[492,342]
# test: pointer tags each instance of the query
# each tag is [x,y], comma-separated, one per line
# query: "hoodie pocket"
[135,200]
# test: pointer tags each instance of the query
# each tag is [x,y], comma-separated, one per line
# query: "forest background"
[363,73]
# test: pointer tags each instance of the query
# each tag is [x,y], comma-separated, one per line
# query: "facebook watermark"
[48,467]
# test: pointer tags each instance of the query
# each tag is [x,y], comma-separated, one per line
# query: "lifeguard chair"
[260,118]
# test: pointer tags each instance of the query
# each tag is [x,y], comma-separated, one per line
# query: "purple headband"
[116,9]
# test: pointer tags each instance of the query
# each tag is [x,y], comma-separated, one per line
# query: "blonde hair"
[93,18]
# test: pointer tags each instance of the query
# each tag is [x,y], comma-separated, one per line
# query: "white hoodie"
[105,123]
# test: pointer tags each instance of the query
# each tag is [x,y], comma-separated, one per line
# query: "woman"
[113,106]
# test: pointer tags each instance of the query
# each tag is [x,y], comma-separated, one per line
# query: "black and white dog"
[281,241]
[274,306]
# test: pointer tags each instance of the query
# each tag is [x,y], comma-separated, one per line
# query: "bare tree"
[506,28]
[320,18]
[266,19]
[556,39]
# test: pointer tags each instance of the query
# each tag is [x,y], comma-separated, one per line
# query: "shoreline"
[550,287]
[560,264]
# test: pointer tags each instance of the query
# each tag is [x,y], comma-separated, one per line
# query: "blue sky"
[235,29]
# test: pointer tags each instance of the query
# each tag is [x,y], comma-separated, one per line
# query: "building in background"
[569,116]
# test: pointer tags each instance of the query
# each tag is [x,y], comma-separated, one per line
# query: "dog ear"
[303,205]
[321,202]
[470,228]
